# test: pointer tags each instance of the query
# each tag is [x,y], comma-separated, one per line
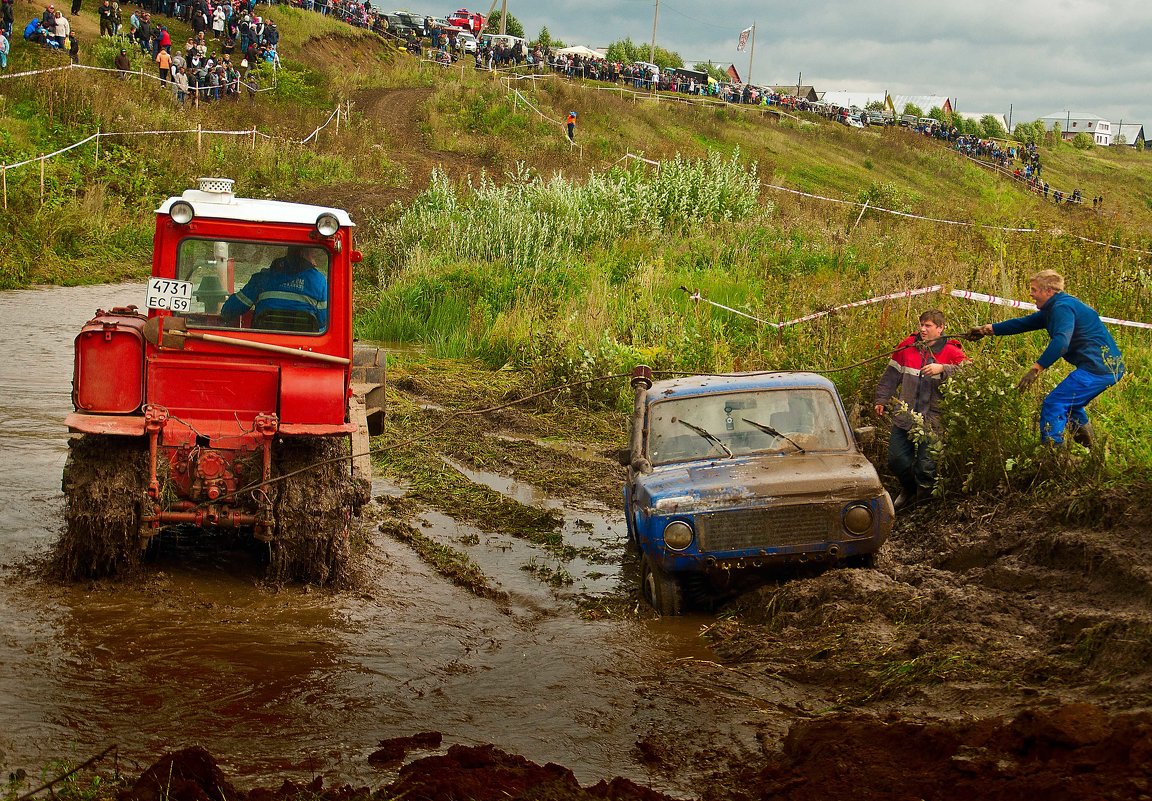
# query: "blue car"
[740,473]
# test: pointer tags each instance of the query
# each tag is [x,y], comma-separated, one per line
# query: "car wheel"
[661,590]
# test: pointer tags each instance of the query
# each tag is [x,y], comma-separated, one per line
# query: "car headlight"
[858,519]
[327,224]
[678,535]
[181,212]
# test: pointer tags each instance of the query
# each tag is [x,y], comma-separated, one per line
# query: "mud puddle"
[291,682]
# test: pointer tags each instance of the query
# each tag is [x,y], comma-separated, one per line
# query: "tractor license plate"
[169,294]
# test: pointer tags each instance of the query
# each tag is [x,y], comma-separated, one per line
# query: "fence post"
[141,75]
[96,162]
[338,107]
[42,179]
[253,137]
[199,137]
[4,183]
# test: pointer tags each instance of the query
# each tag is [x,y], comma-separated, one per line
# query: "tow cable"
[477,412]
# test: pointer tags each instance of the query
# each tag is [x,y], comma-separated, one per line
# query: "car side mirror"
[624,457]
[865,435]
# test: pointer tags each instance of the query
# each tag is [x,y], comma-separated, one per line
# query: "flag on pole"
[733,74]
[743,39]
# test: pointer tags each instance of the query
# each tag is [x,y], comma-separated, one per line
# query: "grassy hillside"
[486,235]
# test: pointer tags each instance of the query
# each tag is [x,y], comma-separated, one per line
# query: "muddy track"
[400,115]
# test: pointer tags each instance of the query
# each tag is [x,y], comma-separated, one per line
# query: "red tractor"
[233,403]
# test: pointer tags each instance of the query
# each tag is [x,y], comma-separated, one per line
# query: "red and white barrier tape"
[965,294]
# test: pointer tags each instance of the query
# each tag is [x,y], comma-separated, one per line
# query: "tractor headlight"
[181,212]
[678,535]
[858,519]
[327,224]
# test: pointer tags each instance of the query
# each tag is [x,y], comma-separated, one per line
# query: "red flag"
[733,74]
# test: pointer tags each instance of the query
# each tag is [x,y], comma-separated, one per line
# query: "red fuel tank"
[109,372]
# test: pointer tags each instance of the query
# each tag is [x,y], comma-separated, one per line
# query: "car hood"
[755,481]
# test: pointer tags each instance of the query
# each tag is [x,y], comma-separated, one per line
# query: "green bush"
[1083,141]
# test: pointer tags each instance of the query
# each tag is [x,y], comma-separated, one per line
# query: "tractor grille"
[764,528]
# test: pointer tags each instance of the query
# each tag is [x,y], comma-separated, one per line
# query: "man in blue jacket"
[292,284]
[1076,334]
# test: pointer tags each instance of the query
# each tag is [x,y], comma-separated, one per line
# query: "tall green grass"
[580,279]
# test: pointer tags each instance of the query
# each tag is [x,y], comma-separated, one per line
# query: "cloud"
[1036,56]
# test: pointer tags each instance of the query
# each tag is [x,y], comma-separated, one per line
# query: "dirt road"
[945,672]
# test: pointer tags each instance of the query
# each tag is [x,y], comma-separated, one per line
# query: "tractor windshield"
[783,421]
[257,285]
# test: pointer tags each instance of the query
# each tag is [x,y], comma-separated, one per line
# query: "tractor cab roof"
[215,200]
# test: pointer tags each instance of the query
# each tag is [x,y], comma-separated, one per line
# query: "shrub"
[1083,141]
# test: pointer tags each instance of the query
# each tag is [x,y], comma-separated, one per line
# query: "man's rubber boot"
[1084,435]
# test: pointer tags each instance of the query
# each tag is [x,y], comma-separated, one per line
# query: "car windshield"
[258,285]
[806,420]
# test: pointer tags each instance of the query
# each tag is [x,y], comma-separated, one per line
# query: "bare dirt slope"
[398,113]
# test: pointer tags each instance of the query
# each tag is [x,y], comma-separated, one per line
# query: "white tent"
[580,50]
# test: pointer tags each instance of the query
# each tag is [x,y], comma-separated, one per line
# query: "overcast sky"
[1040,56]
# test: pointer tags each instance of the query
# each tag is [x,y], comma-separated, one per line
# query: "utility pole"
[799,80]
[751,53]
[655,17]
[1009,118]
[503,17]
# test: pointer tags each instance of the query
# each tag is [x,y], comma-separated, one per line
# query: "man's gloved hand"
[974,334]
[1029,378]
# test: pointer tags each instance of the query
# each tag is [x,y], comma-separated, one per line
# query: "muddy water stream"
[297,683]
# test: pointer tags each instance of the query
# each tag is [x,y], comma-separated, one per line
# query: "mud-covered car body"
[741,472]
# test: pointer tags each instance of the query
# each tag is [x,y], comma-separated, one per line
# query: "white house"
[1132,132]
[1076,122]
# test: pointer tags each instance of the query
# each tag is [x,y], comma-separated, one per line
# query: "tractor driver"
[289,295]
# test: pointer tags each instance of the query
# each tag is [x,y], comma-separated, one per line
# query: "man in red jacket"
[910,391]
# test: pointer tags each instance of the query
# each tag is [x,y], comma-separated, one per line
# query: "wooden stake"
[96,162]
[4,182]
[41,179]
[199,137]
[253,137]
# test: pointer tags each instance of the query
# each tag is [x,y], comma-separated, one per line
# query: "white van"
[508,41]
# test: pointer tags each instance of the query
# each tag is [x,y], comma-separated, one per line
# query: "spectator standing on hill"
[910,389]
[115,18]
[1076,335]
[181,81]
[63,28]
[7,18]
[75,7]
[123,64]
[164,63]
[73,48]
[48,20]
[105,14]
[4,47]
[571,124]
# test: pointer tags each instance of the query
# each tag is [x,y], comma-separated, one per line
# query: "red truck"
[232,401]
[469,20]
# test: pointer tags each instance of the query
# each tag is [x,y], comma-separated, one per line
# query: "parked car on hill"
[467,41]
[729,476]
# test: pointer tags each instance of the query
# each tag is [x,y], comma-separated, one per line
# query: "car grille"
[764,528]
